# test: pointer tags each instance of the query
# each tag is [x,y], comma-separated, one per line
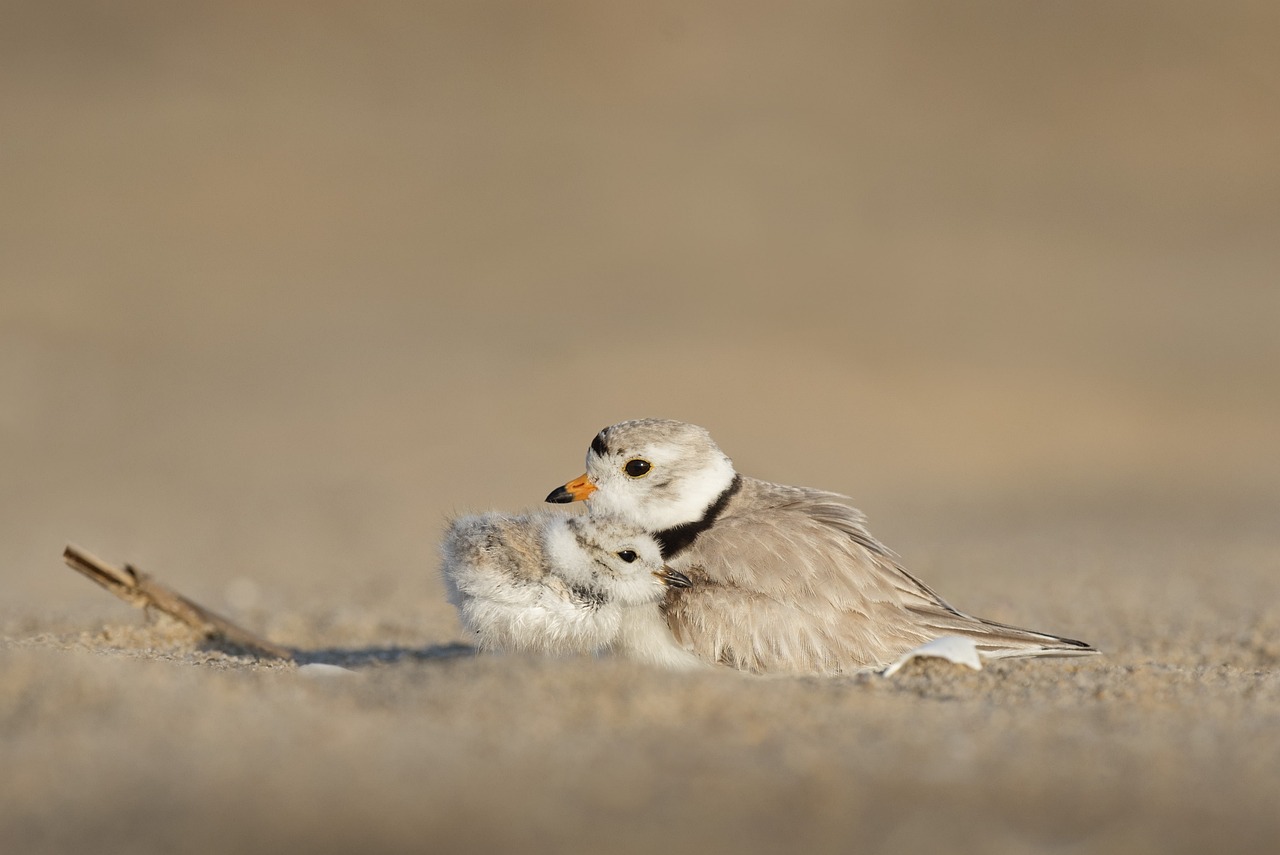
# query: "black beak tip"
[559,496]
[676,579]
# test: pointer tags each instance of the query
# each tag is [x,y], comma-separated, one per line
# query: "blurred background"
[284,285]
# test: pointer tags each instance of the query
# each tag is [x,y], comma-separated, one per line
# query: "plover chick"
[784,579]
[561,585]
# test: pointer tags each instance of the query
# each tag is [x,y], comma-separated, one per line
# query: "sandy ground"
[284,286]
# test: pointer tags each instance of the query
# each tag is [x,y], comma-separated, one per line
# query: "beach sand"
[283,288]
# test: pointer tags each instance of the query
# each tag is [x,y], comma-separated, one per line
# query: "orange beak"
[575,491]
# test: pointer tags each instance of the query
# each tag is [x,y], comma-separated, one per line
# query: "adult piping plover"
[784,579]
[560,585]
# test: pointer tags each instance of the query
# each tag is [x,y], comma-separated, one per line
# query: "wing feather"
[791,580]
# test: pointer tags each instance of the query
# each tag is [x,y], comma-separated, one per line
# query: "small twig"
[139,589]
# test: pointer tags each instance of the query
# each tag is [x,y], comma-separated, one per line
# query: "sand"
[282,288]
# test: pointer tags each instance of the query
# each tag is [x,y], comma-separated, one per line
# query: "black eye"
[636,468]
[627,555]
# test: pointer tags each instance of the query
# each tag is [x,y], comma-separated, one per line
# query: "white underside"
[644,636]
[552,625]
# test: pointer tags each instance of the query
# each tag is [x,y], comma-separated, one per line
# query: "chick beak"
[575,491]
[673,578]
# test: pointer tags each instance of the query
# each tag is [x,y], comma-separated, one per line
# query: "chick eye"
[636,468]
[627,555]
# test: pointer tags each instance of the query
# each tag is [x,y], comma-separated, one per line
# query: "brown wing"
[790,580]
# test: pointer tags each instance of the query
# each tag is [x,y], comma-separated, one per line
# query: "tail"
[1001,641]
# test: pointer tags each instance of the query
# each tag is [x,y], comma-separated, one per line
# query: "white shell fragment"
[953,648]
[320,669]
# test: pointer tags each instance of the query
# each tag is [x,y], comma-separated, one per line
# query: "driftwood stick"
[138,589]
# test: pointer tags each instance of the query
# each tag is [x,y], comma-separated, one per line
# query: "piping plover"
[560,585]
[784,579]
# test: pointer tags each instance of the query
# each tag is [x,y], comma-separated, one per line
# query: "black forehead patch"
[598,446]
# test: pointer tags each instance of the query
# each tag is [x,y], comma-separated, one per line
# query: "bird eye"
[636,468]
[628,555]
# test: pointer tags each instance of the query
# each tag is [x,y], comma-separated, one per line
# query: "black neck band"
[678,538]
